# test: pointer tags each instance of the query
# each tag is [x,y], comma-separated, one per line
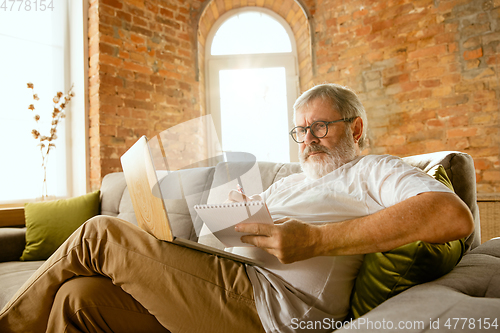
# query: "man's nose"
[310,138]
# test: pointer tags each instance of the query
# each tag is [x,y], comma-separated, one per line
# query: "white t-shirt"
[319,288]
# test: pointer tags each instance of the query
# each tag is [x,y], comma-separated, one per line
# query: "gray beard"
[317,167]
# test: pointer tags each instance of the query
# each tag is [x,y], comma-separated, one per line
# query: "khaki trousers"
[111,276]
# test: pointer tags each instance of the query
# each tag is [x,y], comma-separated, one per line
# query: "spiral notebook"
[221,219]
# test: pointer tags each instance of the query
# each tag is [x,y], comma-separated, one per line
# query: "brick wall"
[142,75]
[427,72]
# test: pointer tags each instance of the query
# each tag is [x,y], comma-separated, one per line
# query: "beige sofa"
[471,290]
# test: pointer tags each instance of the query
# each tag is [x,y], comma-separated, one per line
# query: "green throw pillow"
[386,274]
[48,224]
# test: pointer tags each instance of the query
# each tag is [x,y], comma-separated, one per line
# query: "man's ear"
[357,129]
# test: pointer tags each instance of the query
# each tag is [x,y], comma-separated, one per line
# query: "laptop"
[150,210]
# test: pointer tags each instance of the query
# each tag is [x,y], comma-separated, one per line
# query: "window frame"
[78,161]
[77,122]
[215,63]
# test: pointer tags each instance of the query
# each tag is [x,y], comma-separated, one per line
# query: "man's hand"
[236,196]
[288,239]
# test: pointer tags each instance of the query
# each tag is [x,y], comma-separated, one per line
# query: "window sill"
[12,217]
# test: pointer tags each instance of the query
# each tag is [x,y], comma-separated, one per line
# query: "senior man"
[111,276]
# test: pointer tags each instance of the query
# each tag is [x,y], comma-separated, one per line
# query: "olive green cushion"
[386,274]
[48,224]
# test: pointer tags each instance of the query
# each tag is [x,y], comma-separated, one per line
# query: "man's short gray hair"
[342,99]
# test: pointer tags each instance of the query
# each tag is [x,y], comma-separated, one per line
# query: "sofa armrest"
[12,243]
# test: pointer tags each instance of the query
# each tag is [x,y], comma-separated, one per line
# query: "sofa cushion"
[12,243]
[13,274]
[386,274]
[112,189]
[471,290]
[460,170]
[125,209]
[48,224]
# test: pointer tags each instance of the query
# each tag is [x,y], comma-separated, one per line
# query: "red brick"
[137,68]
[458,143]
[456,100]
[367,21]
[142,95]
[435,123]
[451,79]
[124,55]
[397,10]
[151,7]
[359,13]
[110,60]
[140,21]
[363,31]
[484,94]
[429,73]
[111,40]
[111,80]
[381,25]
[111,99]
[112,3]
[108,49]
[491,175]
[461,132]
[166,13]
[446,38]
[137,104]
[139,114]
[482,164]
[143,86]
[435,145]
[109,20]
[459,121]
[106,10]
[409,18]
[110,120]
[107,130]
[170,74]
[392,140]
[428,52]
[430,83]
[426,33]
[428,62]
[474,54]
[124,16]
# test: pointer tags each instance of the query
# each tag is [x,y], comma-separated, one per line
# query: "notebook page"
[221,219]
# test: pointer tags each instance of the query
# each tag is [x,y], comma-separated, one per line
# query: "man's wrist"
[321,245]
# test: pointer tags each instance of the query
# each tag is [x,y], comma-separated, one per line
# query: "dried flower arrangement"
[60,102]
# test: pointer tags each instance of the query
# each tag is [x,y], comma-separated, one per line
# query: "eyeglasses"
[319,129]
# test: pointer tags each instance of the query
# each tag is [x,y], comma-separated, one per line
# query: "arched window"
[252,83]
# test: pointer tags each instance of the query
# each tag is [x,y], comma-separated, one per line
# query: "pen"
[239,188]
